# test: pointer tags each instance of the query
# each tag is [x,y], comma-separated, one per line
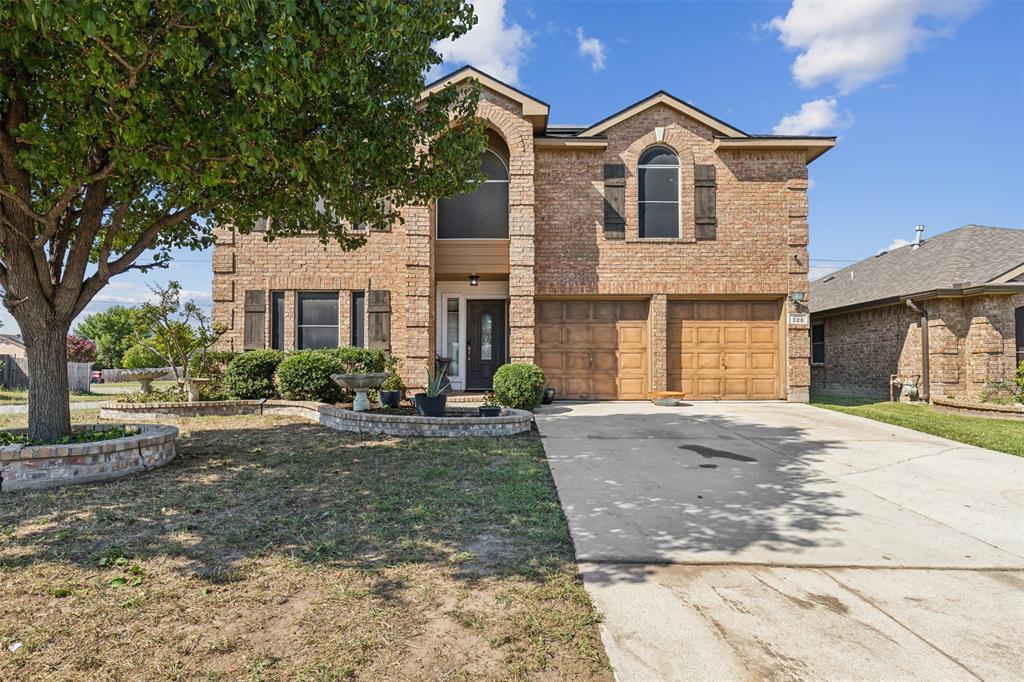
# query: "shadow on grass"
[245,488]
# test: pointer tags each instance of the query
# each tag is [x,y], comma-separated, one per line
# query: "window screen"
[818,344]
[658,180]
[359,319]
[317,320]
[482,213]
[277,320]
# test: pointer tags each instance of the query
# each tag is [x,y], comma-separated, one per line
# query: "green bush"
[140,357]
[250,376]
[173,394]
[359,360]
[519,385]
[1020,382]
[306,375]
[212,365]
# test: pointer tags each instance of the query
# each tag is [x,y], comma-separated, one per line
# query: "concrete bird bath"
[145,377]
[360,383]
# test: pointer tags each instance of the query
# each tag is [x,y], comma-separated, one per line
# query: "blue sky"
[927,99]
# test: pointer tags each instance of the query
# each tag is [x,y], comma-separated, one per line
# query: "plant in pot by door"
[390,392]
[491,406]
[431,402]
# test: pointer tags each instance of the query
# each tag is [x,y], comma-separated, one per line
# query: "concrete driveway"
[782,541]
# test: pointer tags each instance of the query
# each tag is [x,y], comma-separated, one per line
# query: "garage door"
[593,349]
[725,350]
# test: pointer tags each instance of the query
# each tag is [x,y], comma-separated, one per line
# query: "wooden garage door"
[725,350]
[593,349]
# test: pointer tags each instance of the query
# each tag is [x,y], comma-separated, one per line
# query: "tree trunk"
[49,409]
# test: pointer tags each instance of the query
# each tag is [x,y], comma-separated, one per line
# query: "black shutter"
[255,316]
[378,319]
[704,201]
[615,201]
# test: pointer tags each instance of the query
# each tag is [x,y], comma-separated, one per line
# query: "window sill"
[658,240]
[817,364]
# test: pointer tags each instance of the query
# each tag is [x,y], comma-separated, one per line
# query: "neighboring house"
[964,288]
[12,344]
[657,249]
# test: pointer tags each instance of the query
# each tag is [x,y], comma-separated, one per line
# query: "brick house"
[563,259]
[959,294]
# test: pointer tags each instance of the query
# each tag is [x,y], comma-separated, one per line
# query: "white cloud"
[591,47]
[814,117]
[491,45]
[822,269]
[894,244]
[855,43]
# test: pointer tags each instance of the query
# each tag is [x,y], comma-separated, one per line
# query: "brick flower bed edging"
[30,467]
[1013,411]
[509,423]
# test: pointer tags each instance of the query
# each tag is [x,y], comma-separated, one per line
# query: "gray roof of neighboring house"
[13,338]
[966,257]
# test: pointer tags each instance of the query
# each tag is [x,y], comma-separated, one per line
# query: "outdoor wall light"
[474,279]
[796,296]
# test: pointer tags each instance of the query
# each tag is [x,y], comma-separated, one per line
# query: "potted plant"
[432,401]
[491,407]
[549,396]
[390,393]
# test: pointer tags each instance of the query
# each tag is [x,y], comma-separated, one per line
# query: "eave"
[570,142]
[532,108]
[930,294]
[662,97]
[813,147]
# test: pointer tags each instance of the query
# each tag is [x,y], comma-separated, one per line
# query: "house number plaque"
[797,319]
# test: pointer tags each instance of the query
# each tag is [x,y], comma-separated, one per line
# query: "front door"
[485,341]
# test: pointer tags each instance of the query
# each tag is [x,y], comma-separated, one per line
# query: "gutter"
[925,352]
[974,290]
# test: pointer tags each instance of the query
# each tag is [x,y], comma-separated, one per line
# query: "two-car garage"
[715,349]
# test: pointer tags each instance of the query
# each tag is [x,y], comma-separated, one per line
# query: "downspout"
[925,374]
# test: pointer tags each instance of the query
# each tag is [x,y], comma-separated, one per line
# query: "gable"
[498,92]
[663,98]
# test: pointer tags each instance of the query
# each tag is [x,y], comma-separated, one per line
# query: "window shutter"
[378,318]
[614,201]
[255,317]
[704,201]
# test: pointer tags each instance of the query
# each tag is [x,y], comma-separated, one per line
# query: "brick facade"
[557,245]
[972,343]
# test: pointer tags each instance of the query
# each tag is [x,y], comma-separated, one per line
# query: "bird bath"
[360,383]
[145,377]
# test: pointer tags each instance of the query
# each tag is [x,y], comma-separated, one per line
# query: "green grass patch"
[1004,435]
[10,396]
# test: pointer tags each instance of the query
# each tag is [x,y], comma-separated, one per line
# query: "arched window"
[482,213]
[658,177]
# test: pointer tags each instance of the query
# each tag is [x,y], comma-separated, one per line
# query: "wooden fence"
[14,374]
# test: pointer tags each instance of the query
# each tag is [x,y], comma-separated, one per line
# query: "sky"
[926,98]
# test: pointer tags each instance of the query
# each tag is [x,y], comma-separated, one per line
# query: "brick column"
[798,336]
[657,321]
[521,251]
[224,289]
[416,344]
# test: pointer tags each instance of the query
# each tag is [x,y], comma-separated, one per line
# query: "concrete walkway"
[770,540]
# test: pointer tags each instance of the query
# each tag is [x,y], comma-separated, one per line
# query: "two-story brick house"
[658,249]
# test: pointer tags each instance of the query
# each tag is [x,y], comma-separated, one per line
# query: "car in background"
[96,377]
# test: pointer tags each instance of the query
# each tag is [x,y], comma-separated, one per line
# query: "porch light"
[474,279]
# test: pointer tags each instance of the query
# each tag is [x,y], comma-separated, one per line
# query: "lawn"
[277,549]
[11,396]
[1004,435]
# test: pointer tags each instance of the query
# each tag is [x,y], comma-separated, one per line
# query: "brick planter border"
[1014,411]
[509,423]
[31,467]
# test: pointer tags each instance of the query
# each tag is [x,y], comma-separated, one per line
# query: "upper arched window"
[658,177]
[482,213]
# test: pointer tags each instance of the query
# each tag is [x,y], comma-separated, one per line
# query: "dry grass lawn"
[277,549]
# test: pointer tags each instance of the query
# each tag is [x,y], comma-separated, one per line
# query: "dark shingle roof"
[967,256]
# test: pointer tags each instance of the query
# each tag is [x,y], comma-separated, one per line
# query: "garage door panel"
[724,349]
[594,349]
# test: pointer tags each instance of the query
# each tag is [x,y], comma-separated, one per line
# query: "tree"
[174,331]
[80,349]
[134,127]
[112,331]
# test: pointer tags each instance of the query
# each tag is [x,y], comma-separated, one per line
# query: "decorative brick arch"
[674,139]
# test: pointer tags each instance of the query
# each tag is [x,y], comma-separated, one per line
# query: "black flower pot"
[390,398]
[489,410]
[549,396]
[430,406]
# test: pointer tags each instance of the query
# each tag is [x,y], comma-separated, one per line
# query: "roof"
[969,258]
[13,338]
[726,136]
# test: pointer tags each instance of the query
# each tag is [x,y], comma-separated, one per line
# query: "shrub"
[173,394]
[81,349]
[306,375]
[359,360]
[251,375]
[519,385]
[140,357]
[1020,382]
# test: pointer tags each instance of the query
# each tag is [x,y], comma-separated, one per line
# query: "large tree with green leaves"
[128,127]
[113,332]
